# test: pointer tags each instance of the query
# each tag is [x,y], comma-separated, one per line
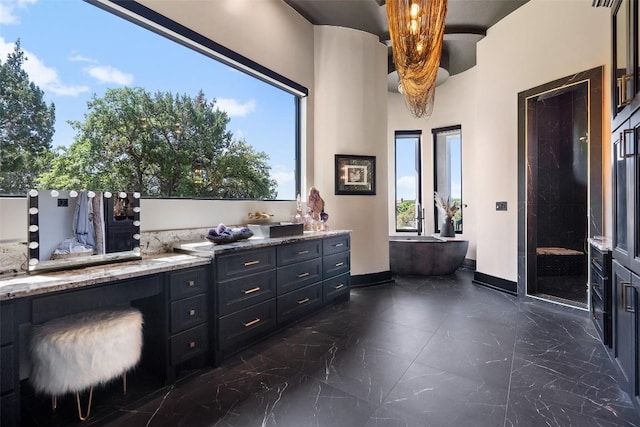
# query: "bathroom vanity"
[199,306]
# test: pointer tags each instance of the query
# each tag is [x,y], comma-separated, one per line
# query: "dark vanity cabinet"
[245,290]
[625,90]
[9,392]
[260,290]
[626,286]
[600,292]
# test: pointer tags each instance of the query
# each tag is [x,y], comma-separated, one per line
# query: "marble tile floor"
[423,351]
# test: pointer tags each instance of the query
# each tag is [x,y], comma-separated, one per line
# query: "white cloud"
[46,78]
[109,74]
[8,8]
[406,183]
[282,175]
[234,108]
[6,14]
[75,57]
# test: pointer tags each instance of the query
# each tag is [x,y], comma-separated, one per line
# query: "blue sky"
[406,170]
[75,50]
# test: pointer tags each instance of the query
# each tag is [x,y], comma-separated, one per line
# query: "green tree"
[26,127]
[163,145]
[406,214]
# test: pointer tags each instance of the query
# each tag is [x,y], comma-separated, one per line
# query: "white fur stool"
[75,353]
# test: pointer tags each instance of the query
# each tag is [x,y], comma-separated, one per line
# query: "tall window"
[409,213]
[155,108]
[447,155]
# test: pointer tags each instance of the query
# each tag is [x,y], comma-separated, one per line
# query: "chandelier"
[416,28]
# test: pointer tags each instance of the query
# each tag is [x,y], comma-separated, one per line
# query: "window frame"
[151,20]
[435,132]
[407,134]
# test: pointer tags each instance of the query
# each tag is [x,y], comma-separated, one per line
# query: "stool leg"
[88,406]
[124,383]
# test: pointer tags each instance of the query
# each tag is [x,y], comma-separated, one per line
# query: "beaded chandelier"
[416,28]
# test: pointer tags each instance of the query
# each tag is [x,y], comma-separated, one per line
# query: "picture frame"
[355,175]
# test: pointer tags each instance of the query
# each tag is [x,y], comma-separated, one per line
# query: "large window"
[447,155]
[122,106]
[409,212]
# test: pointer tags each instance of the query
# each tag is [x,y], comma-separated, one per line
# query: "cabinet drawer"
[299,275]
[188,312]
[333,245]
[240,328]
[244,263]
[6,327]
[188,344]
[7,371]
[296,252]
[336,286]
[237,294]
[187,283]
[597,314]
[597,283]
[336,264]
[297,303]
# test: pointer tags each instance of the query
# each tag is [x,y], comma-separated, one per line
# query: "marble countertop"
[208,249]
[23,285]
[602,243]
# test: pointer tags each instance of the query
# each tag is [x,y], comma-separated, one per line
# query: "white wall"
[350,116]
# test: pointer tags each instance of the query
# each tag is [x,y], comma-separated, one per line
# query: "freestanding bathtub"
[426,255]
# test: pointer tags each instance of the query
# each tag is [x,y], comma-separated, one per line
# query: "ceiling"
[467,23]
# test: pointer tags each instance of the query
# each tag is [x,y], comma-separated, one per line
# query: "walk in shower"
[559,157]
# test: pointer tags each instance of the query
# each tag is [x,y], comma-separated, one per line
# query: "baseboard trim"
[495,283]
[469,263]
[371,279]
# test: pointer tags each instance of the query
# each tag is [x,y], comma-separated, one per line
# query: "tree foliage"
[26,127]
[406,214]
[162,144]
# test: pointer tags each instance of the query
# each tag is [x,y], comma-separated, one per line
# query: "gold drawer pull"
[339,264]
[192,344]
[253,322]
[192,312]
[191,283]
[247,264]
[337,245]
[302,301]
[303,252]
[340,286]
[252,290]
[300,276]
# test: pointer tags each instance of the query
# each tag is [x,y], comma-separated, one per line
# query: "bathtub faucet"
[419,219]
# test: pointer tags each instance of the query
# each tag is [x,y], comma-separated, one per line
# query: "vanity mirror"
[74,228]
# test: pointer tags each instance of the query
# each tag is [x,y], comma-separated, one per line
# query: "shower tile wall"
[562,170]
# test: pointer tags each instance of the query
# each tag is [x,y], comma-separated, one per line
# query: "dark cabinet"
[626,194]
[625,78]
[188,315]
[259,290]
[9,385]
[600,292]
[625,320]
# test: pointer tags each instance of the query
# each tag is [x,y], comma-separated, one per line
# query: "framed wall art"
[355,175]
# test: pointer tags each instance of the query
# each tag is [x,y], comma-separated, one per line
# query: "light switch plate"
[501,206]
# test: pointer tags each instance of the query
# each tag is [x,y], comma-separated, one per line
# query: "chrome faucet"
[419,219]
